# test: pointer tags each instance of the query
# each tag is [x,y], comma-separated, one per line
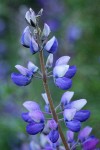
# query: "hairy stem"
[54,115]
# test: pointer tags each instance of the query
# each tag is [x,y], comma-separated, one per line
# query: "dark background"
[77,28]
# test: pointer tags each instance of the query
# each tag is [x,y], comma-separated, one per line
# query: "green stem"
[54,115]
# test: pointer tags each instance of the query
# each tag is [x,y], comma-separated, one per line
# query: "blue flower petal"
[74,125]
[34,128]
[26,117]
[20,79]
[71,72]
[82,115]
[63,83]
[53,136]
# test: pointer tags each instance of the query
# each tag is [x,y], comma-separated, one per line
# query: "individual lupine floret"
[84,140]
[52,45]
[70,138]
[28,41]
[73,125]
[49,61]
[87,142]
[46,31]
[31,17]
[34,118]
[64,81]
[25,76]
[53,134]
[47,106]
[73,115]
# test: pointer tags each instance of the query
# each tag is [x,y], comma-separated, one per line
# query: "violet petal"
[71,72]
[82,115]
[34,128]
[53,136]
[20,79]
[63,83]
[74,125]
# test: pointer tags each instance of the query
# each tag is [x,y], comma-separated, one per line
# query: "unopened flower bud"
[49,61]
[31,17]
[44,95]
[46,30]
[52,45]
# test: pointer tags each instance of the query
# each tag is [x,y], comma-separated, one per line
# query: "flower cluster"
[62,74]
[84,139]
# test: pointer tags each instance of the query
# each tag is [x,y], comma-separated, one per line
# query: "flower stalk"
[54,115]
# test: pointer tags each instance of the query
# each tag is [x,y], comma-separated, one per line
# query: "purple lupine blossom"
[34,118]
[53,134]
[25,76]
[63,81]
[73,115]
[86,141]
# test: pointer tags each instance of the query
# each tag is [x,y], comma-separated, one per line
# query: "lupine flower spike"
[47,121]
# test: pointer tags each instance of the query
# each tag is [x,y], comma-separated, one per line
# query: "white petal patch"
[69,114]
[44,95]
[22,70]
[46,30]
[49,61]
[63,60]
[59,71]
[32,67]
[67,96]
[31,106]
[78,104]
[36,115]
[50,43]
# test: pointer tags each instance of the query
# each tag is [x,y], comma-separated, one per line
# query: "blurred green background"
[76,25]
